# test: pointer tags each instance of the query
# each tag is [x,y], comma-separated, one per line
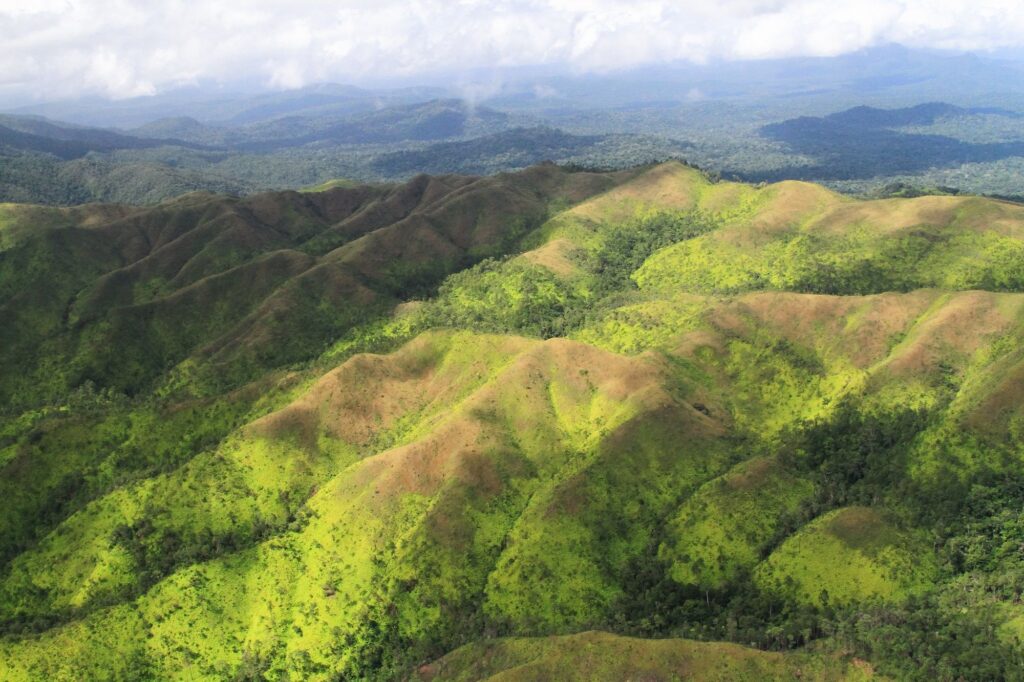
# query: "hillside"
[53,163]
[867,142]
[551,424]
[241,145]
[600,656]
[69,141]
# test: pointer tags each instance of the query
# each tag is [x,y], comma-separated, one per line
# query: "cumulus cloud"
[123,48]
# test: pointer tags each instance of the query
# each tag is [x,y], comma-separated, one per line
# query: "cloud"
[541,91]
[123,48]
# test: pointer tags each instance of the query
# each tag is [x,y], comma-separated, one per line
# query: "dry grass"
[666,186]
[954,329]
[554,255]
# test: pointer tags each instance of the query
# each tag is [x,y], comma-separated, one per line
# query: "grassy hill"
[527,426]
[600,656]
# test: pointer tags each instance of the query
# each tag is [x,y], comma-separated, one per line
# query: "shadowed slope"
[119,296]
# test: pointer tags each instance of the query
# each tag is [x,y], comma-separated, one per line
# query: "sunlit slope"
[849,555]
[596,430]
[529,458]
[802,237]
[604,657]
[829,246]
[190,300]
[500,459]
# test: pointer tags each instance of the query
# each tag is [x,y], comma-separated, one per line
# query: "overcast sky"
[52,49]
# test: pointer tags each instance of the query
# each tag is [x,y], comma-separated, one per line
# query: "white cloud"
[121,48]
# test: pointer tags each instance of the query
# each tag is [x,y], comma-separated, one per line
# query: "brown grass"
[954,331]
[859,328]
[468,415]
[666,186]
[368,393]
[751,475]
[791,203]
[554,256]
[604,657]
[1002,398]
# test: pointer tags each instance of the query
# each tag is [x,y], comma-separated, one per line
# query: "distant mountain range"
[866,142]
[855,122]
[230,108]
[50,162]
[426,121]
[67,141]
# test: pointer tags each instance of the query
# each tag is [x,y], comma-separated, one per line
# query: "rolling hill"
[68,141]
[303,138]
[546,424]
[867,142]
[54,163]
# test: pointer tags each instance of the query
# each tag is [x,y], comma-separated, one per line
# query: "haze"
[56,49]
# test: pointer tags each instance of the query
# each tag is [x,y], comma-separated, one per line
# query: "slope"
[587,429]
[600,656]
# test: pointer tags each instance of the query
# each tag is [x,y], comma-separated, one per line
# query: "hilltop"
[549,423]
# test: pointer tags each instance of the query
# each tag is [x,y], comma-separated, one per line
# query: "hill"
[36,178]
[433,120]
[68,141]
[296,139]
[599,656]
[54,163]
[425,122]
[519,147]
[867,142]
[531,425]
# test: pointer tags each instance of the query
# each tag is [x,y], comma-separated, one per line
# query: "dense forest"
[311,140]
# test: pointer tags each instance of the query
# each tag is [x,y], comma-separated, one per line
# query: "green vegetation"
[809,241]
[601,656]
[307,144]
[506,297]
[720,533]
[530,426]
[331,184]
[848,556]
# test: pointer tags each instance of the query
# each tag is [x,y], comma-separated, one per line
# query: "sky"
[54,49]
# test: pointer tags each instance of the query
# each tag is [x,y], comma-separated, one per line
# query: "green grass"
[848,556]
[331,184]
[718,534]
[242,457]
[603,656]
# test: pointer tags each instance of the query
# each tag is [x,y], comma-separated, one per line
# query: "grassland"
[340,434]
[601,656]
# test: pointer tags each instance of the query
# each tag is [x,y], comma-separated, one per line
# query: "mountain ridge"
[642,402]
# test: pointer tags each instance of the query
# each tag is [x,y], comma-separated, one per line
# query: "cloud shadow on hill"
[863,143]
